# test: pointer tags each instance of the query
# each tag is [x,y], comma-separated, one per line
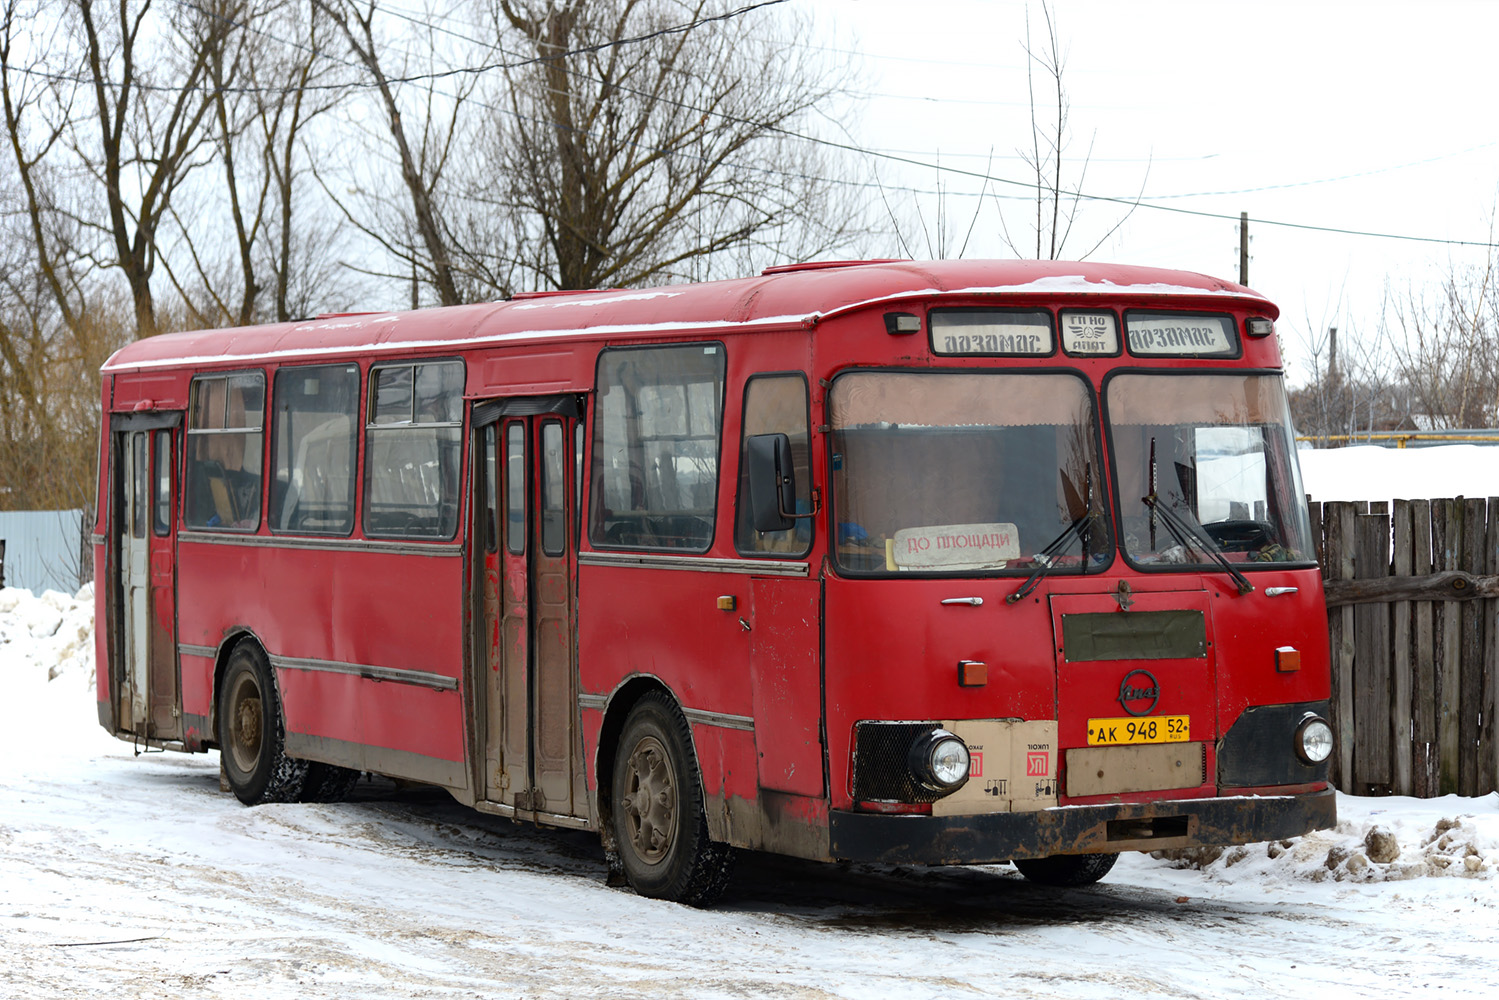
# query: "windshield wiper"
[1081,527]
[1188,536]
[1046,558]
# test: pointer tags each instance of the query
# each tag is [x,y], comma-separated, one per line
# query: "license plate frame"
[1143,730]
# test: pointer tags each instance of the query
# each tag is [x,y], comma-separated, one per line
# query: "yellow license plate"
[1151,729]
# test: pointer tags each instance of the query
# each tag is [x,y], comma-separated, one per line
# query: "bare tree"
[127,130]
[644,140]
[269,84]
[1349,392]
[423,155]
[1444,346]
[1057,201]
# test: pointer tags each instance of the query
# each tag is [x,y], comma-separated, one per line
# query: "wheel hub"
[245,727]
[650,801]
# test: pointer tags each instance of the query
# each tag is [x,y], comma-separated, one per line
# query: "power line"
[1033,188]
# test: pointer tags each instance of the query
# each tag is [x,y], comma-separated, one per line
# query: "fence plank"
[1315,511]
[1446,549]
[1488,763]
[1371,662]
[1337,519]
[1402,559]
[1470,660]
[1423,656]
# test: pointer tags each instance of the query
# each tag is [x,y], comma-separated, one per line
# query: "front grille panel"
[881,769]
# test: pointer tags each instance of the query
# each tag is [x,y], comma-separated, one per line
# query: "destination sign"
[991,332]
[1180,335]
[955,546]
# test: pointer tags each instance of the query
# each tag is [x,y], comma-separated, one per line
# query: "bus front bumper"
[1143,826]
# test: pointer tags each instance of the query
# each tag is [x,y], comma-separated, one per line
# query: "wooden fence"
[1413,618]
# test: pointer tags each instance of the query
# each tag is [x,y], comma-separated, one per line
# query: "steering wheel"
[1240,535]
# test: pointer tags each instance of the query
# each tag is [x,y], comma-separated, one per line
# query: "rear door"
[148,704]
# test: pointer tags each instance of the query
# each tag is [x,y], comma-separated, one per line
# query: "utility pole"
[1244,248]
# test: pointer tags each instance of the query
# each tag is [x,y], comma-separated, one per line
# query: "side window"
[413,450]
[140,484]
[314,430]
[655,450]
[578,482]
[553,490]
[515,488]
[162,503]
[489,531]
[225,444]
[776,404]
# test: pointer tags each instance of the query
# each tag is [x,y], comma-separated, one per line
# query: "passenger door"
[147,684]
[528,487]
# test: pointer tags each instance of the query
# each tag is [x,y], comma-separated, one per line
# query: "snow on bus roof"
[782,297]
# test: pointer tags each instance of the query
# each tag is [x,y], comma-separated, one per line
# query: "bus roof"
[782,297]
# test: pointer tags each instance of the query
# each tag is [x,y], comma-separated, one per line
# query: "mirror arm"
[816,505]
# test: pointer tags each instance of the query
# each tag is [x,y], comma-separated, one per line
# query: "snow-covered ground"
[135,877]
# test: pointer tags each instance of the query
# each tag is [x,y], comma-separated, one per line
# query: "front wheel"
[252,732]
[1067,869]
[660,828]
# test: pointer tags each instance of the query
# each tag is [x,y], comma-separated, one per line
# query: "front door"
[528,500]
[147,684]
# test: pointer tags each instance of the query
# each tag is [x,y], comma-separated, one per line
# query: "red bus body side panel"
[344,607]
[786,683]
[665,624]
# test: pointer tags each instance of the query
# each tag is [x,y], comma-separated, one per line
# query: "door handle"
[975,601]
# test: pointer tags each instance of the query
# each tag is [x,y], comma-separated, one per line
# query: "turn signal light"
[972,674]
[1287,659]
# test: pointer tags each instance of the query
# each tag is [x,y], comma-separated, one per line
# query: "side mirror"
[772,481]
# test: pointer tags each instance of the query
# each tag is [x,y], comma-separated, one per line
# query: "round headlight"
[940,761]
[1314,739]
[950,761]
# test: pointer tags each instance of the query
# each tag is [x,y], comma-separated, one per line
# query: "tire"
[660,828]
[327,782]
[252,732]
[1066,870]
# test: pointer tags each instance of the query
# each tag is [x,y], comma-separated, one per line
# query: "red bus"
[935,563]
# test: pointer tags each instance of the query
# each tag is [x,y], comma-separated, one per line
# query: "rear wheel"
[1067,869]
[660,828]
[252,733]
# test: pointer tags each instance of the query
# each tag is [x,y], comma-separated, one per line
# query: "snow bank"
[47,663]
[52,633]
[1376,840]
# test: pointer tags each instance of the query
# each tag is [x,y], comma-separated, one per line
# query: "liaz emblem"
[1139,692]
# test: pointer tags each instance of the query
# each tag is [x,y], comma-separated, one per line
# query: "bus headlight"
[939,760]
[1313,739]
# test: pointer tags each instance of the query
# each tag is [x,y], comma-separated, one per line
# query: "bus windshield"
[966,472]
[1206,463]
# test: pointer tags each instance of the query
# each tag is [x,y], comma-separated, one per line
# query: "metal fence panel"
[43,549]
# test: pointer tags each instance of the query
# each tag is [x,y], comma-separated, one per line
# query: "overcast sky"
[1374,117]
